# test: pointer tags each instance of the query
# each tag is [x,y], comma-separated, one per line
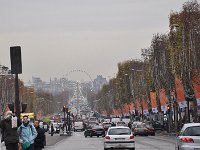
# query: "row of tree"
[171,56]
[36,100]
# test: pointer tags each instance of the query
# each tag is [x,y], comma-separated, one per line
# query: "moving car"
[106,125]
[55,126]
[135,123]
[115,120]
[189,137]
[78,126]
[119,137]
[126,120]
[120,123]
[141,129]
[151,130]
[157,125]
[94,131]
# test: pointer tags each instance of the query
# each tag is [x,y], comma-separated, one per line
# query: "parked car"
[94,131]
[119,137]
[141,129]
[189,137]
[78,126]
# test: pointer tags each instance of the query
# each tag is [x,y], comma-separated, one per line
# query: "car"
[151,130]
[55,125]
[141,129]
[115,120]
[135,123]
[157,125]
[94,131]
[189,137]
[126,120]
[106,125]
[119,137]
[120,123]
[107,120]
[78,126]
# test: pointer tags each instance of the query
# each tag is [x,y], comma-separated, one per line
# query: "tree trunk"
[195,109]
[158,100]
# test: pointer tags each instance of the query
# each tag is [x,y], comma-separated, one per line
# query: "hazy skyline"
[92,35]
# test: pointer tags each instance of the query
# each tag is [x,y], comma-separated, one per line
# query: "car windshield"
[119,131]
[192,131]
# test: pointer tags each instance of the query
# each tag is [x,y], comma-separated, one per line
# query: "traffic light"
[65,109]
[24,106]
[11,107]
[16,62]
[168,109]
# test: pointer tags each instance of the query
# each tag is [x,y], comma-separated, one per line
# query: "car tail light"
[107,137]
[187,140]
[131,137]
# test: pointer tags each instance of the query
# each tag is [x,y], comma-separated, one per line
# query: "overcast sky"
[57,36]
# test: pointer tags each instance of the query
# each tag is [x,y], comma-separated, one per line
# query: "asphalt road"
[78,142]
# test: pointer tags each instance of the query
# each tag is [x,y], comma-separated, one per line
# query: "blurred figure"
[9,127]
[52,130]
[130,125]
[40,140]
[113,124]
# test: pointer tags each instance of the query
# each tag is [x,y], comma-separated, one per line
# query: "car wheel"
[105,148]
[85,136]
[153,134]
[90,134]
[132,148]
[97,136]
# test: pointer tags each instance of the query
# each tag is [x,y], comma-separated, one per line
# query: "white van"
[115,120]
[78,126]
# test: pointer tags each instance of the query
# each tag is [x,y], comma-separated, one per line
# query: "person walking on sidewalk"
[9,126]
[27,134]
[40,140]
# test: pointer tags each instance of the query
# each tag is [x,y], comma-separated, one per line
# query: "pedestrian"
[113,124]
[52,130]
[40,140]
[9,127]
[27,134]
[130,125]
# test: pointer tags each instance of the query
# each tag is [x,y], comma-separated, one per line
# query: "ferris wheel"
[79,99]
[85,73]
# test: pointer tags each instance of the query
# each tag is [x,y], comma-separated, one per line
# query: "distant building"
[99,82]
